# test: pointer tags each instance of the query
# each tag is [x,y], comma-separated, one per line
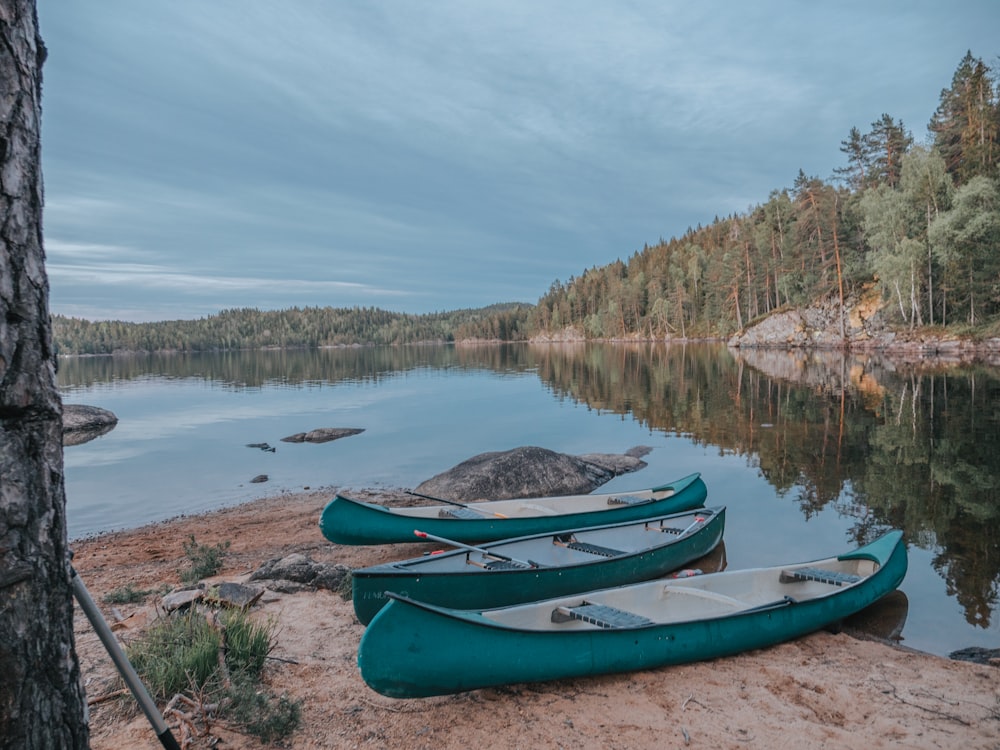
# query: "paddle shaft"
[697,520]
[470,548]
[454,502]
[125,668]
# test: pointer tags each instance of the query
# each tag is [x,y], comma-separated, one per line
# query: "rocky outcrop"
[322,435]
[824,324]
[84,423]
[529,471]
[978,654]
[818,326]
[299,572]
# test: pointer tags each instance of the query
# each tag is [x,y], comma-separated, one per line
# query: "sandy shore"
[822,691]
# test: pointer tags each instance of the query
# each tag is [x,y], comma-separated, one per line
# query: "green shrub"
[261,714]
[205,560]
[127,594]
[180,654]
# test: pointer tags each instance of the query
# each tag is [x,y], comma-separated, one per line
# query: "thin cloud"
[442,155]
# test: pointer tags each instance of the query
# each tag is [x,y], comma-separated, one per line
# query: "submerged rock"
[528,471]
[322,435]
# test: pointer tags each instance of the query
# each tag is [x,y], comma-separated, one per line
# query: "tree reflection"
[882,443]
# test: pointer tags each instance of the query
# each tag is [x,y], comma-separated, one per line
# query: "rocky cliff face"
[819,325]
[865,329]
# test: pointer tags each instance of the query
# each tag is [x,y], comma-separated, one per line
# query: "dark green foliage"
[966,124]
[309,327]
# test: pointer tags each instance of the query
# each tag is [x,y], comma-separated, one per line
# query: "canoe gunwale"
[347,521]
[468,586]
[392,569]
[476,617]
[413,650]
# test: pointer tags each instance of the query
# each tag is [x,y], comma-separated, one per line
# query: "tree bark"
[41,699]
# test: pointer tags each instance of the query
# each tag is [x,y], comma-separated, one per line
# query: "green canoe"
[412,649]
[347,521]
[542,566]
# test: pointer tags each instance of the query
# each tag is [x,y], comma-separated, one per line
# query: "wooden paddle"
[470,548]
[453,502]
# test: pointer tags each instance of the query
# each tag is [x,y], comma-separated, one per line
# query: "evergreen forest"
[919,221]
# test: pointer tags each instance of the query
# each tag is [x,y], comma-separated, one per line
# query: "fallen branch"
[692,699]
[107,696]
[943,714]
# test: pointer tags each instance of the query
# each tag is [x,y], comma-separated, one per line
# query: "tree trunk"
[41,698]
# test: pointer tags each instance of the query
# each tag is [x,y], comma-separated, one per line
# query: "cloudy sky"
[200,155]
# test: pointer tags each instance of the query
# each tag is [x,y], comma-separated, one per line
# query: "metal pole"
[121,661]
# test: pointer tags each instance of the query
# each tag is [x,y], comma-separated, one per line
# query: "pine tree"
[966,124]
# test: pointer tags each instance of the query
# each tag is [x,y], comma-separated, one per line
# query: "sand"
[822,691]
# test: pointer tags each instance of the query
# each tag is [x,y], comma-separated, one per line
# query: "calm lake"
[812,453]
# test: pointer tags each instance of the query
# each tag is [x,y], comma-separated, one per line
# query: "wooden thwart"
[594,549]
[601,615]
[466,513]
[501,565]
[629,500]
[833,577]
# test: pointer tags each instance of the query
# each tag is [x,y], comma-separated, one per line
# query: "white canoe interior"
[703,597]
[535,506]
[562,549]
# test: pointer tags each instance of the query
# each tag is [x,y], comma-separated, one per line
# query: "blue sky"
[200,155]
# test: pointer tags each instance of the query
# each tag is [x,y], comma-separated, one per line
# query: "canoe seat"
[595,549]
[667,529]
[503,565]
[601,615]
[628,500]
[457,512]
[833,577]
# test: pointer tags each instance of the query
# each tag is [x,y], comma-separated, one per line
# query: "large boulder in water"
[529,471]
[83,423]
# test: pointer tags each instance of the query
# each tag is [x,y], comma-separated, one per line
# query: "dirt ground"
[822,691]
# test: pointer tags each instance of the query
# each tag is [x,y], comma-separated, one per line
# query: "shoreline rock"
[529,471]
[82,423]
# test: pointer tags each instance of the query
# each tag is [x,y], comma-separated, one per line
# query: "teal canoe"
[347,521]
[412,649]
[543,566]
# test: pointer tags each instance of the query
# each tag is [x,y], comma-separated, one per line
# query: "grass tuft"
[127,594]
[205,560]
[180,654]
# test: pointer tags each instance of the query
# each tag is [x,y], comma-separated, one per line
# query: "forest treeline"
[250,328]
[922,221]
[919,220]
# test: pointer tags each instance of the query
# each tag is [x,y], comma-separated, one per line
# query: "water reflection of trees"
[905,446]
[287,367]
